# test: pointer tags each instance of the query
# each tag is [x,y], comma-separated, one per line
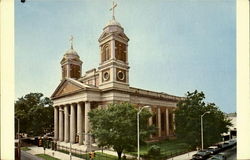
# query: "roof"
[113,22]
[78,87]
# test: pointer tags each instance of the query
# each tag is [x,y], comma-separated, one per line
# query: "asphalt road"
[230,153]
[28,156]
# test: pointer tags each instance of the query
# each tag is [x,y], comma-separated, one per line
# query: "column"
[112,51]
[159,121]
[60,124]
[150,120]
[167,122]
[126,53]
[174,121]
[56,122]
[87,109]
[79,123]
[72,123]
[66,123]
[68,71]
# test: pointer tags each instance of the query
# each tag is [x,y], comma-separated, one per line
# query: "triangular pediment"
[68,86]
[103,36]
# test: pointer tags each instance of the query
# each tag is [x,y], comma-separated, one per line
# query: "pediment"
[67,87]
[104,35]
[122,35]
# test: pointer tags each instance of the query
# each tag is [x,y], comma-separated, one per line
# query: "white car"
[213,149]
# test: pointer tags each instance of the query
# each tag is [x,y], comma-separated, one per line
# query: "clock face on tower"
[121,75]
[105,75]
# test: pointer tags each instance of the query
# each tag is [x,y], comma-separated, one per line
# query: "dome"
[113,26]
[113,22]
[71,51]
[71,54]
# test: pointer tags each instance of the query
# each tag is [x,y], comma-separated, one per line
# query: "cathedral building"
[79,93]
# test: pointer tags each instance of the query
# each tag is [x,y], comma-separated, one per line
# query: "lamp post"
[70,145]
[18,132]
[138,131]
[202,128]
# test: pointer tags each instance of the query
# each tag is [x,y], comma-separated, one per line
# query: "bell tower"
[113,43]
[71,63]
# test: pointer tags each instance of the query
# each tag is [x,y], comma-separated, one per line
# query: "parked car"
[226,145]
[232,142]
[220,146]
[201,155]
[213,150]
[218,157]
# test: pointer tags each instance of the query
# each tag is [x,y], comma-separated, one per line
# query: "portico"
[73,124]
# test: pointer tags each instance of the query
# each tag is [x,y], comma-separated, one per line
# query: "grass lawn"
[25,148]
[46,157]
[168,147]
[98,155]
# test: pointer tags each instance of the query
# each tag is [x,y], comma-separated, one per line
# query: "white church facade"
[79,93]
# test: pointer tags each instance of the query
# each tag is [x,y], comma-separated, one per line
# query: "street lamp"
[70,154]
[18,132]
[138,131]
[202,128]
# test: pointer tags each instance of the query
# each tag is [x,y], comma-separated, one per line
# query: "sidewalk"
[186,156]
[62,156]
[114,153]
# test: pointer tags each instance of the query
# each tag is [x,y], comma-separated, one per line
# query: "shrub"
[154,150]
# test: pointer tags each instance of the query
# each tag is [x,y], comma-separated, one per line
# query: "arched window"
[120,51]
[105,53]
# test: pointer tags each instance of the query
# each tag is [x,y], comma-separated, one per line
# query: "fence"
[165,156]
[166,151]
[82,154]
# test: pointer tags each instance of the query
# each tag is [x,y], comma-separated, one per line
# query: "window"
[105,53]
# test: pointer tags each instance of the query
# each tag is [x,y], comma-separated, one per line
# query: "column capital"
[56,106]
[73,104]
[80,102]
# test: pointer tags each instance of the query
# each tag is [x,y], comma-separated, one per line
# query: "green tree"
[188,120]
[35,113]
[116,126]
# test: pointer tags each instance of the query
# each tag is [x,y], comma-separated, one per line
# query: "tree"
[188,123]
[35,113]
[116,126]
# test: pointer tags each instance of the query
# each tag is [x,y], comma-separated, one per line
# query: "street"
[230,153]
[28,156]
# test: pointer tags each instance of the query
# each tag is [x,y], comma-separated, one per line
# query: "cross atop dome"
[71,41]
[113,10]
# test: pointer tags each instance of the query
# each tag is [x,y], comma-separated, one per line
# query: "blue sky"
[175,46]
